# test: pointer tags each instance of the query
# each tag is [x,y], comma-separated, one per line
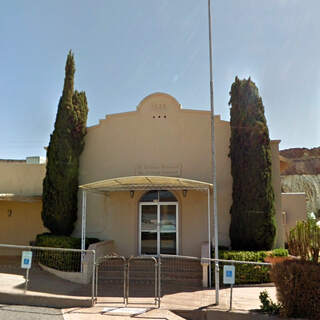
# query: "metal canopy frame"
[19,197]
[145,183]
[135,183]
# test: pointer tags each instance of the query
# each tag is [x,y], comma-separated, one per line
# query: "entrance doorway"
[158,223]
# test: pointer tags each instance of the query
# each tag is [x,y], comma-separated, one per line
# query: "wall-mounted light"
[184,192]
[131,194]
[9,212]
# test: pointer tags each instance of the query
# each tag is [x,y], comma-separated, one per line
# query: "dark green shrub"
[267,305]
[246,273]
[60,260]
[298,288]
[54,241]
[252,211]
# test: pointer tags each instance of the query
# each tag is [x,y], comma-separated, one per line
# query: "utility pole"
[215,209]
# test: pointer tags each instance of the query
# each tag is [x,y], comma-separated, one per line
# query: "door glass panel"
[168,229]
[166,196]
[150,196]
[149,229]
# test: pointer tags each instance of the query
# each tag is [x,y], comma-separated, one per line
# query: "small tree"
[252,211]
[60,186]
[304,240]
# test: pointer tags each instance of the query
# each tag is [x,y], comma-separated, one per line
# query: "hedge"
[280,252]
[248,273]
[63,261]
[54,241]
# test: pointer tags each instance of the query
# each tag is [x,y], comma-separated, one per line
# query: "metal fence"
[183,277]
[176,281]
[54,271]
[169,279]
[182,282]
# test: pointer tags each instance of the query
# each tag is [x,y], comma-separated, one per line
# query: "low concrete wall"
[102,248]
[205,263]
[77,277]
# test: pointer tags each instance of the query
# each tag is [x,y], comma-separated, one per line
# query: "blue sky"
[127,49]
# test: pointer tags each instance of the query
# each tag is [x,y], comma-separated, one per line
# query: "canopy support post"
[209,237]
[83,224]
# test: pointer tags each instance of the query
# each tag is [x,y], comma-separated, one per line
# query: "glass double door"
[158,228]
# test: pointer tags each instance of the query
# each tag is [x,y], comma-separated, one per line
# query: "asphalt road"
[10,312]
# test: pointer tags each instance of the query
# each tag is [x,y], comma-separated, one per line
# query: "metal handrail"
[12,246]
[213,260]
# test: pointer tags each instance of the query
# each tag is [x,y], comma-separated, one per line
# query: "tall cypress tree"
[252,211]
[60,186]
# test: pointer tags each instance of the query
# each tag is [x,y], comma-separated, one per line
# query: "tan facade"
[20,223]
[280,237]
[160,139]
[293,210]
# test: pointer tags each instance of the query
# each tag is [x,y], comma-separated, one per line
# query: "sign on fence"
[26,259]
[229,278]
[228,274]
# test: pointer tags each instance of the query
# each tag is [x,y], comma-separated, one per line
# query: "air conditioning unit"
[35,160]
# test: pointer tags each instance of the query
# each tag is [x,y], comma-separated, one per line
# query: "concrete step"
[174,273]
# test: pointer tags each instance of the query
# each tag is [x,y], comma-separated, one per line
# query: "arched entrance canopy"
[132,183]
[145,183]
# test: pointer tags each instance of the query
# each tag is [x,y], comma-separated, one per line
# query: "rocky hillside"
[303,175]
[302,161]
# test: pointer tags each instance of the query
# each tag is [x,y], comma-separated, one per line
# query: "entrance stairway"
[176,274]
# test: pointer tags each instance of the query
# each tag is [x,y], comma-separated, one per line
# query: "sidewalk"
[47,290]
[182,306]
[44,290]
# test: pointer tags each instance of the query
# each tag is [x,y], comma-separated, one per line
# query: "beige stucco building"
[20,202]
[146,176]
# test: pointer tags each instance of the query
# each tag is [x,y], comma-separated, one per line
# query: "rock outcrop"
[302,161]
[303,175]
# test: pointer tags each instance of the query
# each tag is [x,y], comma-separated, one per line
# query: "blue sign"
[229,274]
[26,259]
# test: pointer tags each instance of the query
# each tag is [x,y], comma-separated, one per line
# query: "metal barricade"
[114,272]
[111,268]
[144,275]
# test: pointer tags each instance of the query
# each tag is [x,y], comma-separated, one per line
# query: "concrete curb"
[222,315]
[52,301]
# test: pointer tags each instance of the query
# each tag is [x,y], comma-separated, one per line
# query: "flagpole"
[215,209]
